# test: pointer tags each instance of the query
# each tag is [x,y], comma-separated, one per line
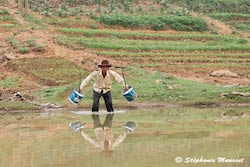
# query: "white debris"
[224,73]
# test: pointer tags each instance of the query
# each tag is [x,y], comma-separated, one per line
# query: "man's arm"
[119,139]
[91,141]
[118,77]
[87,79]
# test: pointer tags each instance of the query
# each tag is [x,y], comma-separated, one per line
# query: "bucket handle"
[122,74]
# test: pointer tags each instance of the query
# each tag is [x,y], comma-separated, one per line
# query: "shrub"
[4,12]
[205,6]
[181,23]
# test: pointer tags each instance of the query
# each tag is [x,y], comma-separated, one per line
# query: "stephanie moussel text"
[196,160]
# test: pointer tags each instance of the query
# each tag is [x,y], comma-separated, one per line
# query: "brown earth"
[48,38]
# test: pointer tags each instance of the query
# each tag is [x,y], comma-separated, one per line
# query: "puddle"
[162,137]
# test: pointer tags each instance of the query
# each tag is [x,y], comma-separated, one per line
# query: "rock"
[222,95]
[1,96]
[246,115]
[233,85]
[50,105]
[169,87]
[19,96]
[4,58]
[235,94]
[8,56]
[158,81]
[224,73]
[84,61]
[241,94]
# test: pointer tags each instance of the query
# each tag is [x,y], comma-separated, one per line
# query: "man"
[102,85]
[105,139]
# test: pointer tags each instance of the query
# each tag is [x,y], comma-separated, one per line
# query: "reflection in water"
[40,140]
[105,140]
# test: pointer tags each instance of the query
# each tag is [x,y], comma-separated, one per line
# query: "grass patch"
[9,26]
[6,18]
[65,41]
[50,71]
[52,95]
[213,6]
[160,22]
[68,22]
[142,45]
[175,55]
[154,88]
[137,34]
[26,46]
[17,105]
[4,12]
[238,20]
[9,82]
[34,21]
[229,16]
[242,26]
[140,41]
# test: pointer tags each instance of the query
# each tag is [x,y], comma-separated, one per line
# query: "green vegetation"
[25,46]
[154,88]
[180,23]
[8,21]
[35,22]
[243,26]
[2,2]
[17,105]
[176,55]
[50,71]
[9,82]
[238,20]
[149,45]
[53,94]
[123,13]
[192,51]
[6,18]
[156,15]
[213,6]
[169,52]
[4,12]
[229,16]
[8,26]
[137,34]
[32,19]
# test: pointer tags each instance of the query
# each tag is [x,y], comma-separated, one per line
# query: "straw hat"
[105,63]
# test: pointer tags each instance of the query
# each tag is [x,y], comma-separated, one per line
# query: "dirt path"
[215,25]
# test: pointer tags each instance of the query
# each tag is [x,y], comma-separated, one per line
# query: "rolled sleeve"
[118,77]
[87,79]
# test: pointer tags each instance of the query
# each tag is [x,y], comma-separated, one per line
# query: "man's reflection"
[105,139]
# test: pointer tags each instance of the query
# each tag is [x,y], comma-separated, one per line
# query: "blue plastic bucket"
[131,126]
[75,97]
[130,94]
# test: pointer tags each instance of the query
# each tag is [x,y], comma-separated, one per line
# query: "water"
[163,136]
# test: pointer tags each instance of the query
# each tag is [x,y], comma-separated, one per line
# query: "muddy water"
[164,137]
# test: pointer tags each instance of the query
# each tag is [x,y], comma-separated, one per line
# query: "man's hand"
[126,87]
[79,90]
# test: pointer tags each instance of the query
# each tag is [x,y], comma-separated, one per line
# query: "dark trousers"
[107,99]
[107,122]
